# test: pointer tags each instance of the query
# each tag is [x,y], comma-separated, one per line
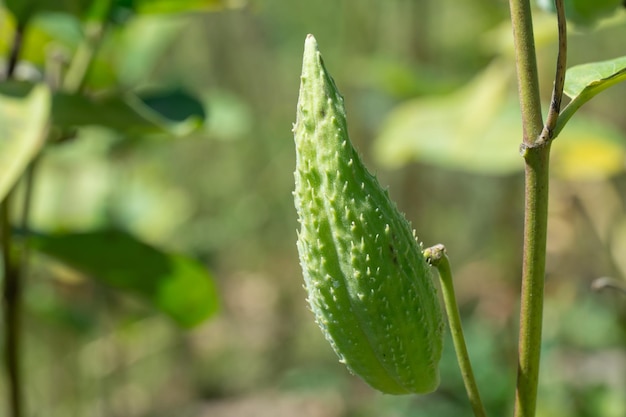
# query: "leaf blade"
[176,285]
[594,75]
[583,82]
[160,112]
[484,115]
[24,117]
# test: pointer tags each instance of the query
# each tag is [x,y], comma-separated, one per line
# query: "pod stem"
[437,257]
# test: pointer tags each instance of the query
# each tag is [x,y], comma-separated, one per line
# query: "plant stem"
[438,258]
[548,132]
[12,290]
[12,286]
[531,309]
[536,156]
[14,54]
[527,74]
[24,224]
[14,266]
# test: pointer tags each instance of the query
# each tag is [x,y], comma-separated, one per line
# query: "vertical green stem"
[531,310]
[24,221]
[12,286]
[536,155]
[527,74]
[14,54]
[12,290]
[14,265]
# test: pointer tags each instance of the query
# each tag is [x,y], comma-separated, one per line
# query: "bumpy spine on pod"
[368,283]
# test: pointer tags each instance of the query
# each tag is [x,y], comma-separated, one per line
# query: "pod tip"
[310,42]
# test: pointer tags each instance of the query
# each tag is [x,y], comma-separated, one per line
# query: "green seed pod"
[368,283]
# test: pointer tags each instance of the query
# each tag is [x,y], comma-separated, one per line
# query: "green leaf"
[475,128]
[478,129]
[61,30]
[129,114]
[176,285]
[583,82]
[584,12]
[142,43]
[594,77]
[177,6]
[175,105]
[75,110]
[24,116]
[24,10]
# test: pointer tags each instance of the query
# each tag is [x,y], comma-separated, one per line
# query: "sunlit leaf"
[24,116]
[176,285]
[475,128]
[594,77]
[478,129]
[583,82]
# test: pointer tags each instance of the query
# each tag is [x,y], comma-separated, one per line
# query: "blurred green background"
[428,87]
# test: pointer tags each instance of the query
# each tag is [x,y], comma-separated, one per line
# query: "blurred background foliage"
[430,96]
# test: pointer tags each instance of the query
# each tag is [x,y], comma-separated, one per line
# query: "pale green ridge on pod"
[368,283]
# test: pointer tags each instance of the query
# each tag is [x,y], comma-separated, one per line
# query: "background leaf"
[178,286]
[142,43]
[486,132]
[24,115]
[482,138]
[153,112]
[584,12]
[24,10]
[175,105]
[177,6]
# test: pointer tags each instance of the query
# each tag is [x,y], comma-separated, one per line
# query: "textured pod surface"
[368,283]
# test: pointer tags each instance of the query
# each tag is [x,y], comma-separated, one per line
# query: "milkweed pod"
[368,283]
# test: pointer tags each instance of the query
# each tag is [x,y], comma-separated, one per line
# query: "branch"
[548,132]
